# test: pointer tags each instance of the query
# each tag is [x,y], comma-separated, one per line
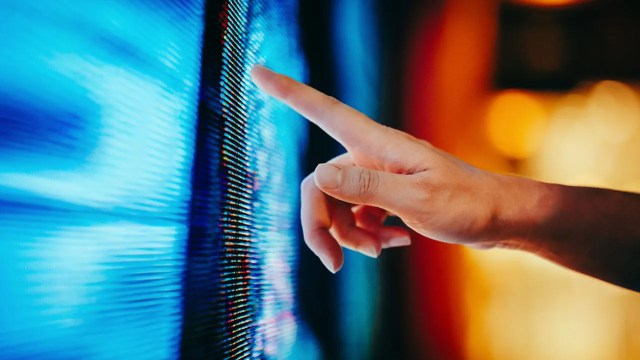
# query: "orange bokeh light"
[515,123]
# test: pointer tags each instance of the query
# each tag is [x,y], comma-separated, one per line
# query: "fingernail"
[370,250]
[328,176]
[328,264]
[400,241]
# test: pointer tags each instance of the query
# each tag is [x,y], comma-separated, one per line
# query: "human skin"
[386,171]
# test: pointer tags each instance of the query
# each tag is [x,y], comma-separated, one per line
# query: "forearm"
[594,231]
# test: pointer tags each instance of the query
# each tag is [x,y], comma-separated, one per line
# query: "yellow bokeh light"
[523,307]
[613,111]
[590,135]
[515,122]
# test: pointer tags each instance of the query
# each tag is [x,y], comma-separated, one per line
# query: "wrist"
[521,208]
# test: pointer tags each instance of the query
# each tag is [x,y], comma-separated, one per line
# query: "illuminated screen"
[148,191]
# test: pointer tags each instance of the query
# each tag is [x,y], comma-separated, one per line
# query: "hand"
[385,171]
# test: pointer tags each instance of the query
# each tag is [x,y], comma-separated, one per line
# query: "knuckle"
[401,135]
[332,101]
[367,183]
[425,187]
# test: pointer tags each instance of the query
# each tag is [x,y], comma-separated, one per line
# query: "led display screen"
[148,191]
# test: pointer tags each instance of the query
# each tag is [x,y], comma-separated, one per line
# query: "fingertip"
[260,74]
[372,250]
[257,69]
[331,263]
[394,237]
[399,241]
[337,266]
[328,176]
[338,261]
[326,248]
[327,263]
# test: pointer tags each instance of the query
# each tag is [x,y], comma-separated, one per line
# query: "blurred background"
[542,88]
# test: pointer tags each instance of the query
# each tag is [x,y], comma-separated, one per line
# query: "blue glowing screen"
[148,191]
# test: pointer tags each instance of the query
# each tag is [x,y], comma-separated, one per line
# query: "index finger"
[348,126]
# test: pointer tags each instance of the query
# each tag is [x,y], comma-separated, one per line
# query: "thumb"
[364,186]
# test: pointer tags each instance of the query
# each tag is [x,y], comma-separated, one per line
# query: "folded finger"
[372,218]
[316,222]
[348,234]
